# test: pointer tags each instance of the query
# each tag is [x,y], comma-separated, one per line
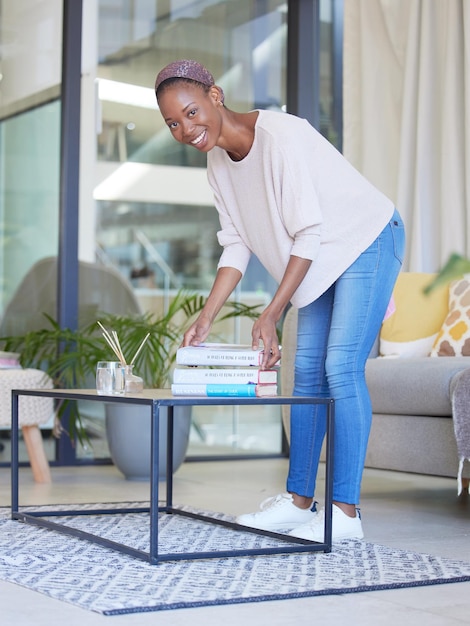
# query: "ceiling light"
[125,93]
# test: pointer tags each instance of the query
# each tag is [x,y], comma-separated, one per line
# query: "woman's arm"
[265,327]
[226,280]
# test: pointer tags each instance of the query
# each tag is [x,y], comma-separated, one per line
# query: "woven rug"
[102,580]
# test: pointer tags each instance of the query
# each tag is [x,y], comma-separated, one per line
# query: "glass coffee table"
[155,399]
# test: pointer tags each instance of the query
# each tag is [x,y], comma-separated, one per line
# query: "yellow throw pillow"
[454,337]
[413,328]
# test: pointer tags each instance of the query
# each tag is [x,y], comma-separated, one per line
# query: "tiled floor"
[408,511]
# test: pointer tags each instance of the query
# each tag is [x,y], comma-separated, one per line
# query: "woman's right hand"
[225,282]
[197,332]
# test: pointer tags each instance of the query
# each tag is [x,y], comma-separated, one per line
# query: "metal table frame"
[155,399]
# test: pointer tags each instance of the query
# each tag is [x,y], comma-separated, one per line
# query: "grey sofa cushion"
[419,386]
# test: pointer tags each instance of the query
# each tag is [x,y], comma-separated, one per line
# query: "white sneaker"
[343,527]
[277,514]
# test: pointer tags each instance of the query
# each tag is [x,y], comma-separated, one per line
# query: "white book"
[219,354]
[230,391]
[217,375]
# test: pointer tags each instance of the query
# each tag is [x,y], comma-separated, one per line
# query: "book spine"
[232,391]
[197,375]
[190,356]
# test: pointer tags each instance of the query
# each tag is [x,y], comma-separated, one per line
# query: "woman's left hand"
[264,329]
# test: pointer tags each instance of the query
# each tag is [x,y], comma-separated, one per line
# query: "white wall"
[31,44]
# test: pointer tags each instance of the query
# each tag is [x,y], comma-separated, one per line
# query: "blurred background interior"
[131,198]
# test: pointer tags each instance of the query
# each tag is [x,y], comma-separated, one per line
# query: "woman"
[333,243]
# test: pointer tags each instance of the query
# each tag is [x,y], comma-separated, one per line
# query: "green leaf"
[455,267]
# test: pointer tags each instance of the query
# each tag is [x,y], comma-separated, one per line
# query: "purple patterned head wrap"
[186,69]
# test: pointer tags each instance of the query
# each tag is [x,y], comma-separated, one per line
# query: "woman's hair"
[163,86]
[188,71]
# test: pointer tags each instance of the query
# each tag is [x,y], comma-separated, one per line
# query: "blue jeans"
[335,335]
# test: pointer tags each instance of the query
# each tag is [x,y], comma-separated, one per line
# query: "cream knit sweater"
[294,194]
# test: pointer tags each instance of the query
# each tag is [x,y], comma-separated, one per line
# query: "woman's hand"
[225,282]
[264,329]
[197,332]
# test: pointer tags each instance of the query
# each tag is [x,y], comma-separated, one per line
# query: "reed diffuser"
[133,383]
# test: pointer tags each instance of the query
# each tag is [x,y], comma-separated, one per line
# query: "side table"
[155,399]
[32,413]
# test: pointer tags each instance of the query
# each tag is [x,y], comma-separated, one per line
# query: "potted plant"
[70,358]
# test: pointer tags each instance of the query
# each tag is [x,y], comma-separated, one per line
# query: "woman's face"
[192,115]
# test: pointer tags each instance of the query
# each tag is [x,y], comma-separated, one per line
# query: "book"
[9,360]
[219,354]
[232,375]
[248,390]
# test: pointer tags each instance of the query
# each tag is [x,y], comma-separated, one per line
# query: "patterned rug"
[102,580]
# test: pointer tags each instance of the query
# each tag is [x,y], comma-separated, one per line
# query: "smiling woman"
[334,245]
[196,120]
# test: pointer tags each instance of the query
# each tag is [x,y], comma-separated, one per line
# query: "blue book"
[246,390]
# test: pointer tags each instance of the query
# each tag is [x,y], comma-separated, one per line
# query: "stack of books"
[215,369]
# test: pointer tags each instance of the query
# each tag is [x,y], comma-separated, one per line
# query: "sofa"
[412,425]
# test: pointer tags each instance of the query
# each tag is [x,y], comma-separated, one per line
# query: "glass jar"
[133,384]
